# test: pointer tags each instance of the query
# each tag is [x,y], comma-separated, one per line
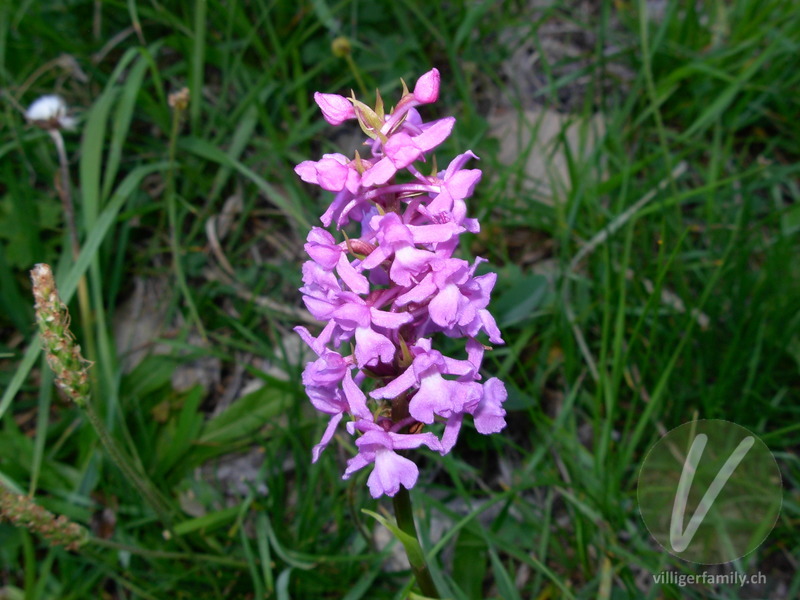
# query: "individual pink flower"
[433,394]
[324,250]
[377,446]
[333,173]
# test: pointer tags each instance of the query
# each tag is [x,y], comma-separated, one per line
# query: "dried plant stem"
[65,193]
[64,190]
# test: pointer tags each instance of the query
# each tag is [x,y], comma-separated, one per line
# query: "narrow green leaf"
[9,484]
[252,566]
[206,150]
[470,563]
[91,164]
[413,549]
[244,417]
[42,424]
[297,560]
[18,309]
[324,14]
[519,302]
[208,522]
[196,75]
[241,137]
[120,124]
[502,578]
[719,104]
[475,12]
[263,552]
[282,585]
[177,438]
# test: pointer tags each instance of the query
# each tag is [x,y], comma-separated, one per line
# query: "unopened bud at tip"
[341,47]
[427,88]
[335,109]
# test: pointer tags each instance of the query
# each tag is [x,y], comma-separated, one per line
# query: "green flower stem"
[178,105]
[405,521]
[356,73]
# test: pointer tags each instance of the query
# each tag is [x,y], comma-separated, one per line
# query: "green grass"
[620,324]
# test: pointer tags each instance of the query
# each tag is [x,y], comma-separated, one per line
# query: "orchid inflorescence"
[386,293]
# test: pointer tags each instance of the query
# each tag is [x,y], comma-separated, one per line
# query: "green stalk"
[405,521]
[356,73]
[341,47]
[178,102]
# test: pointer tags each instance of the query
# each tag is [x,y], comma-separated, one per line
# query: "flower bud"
[427,88]
[361,247]
[336,109]
[341,47]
